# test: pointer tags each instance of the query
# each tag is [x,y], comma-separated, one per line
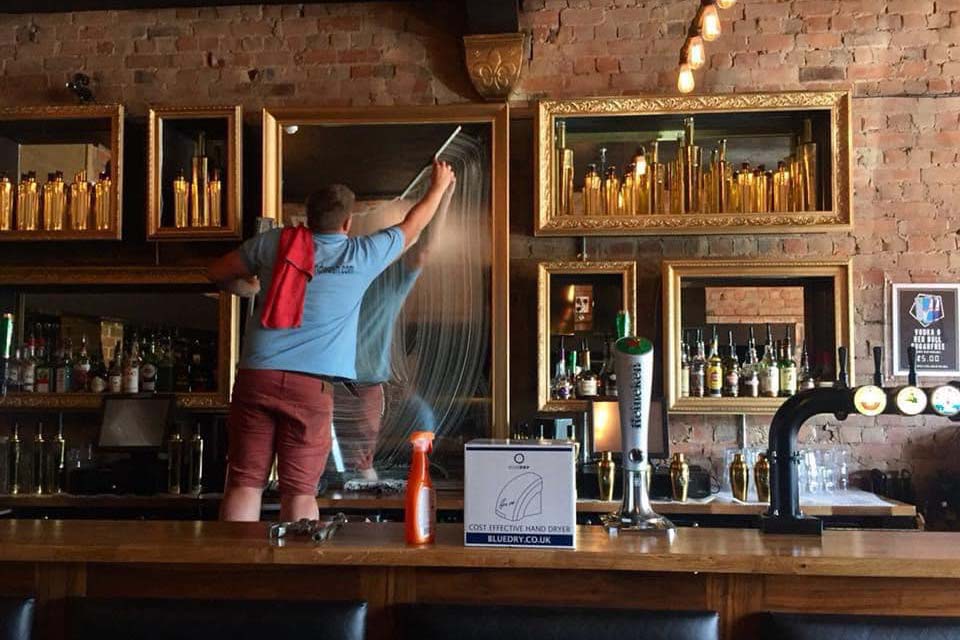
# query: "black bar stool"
[494,622]
[165,619]
[805,626]
[16,618]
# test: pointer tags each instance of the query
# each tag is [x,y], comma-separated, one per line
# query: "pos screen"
[135,423]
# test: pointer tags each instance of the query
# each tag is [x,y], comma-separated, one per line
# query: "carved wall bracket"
[494,62]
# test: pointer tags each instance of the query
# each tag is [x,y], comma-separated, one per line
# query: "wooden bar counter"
[734,571]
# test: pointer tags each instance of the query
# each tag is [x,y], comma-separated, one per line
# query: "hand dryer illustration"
[521,497]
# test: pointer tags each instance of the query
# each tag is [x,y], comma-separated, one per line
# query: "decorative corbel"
[493,47]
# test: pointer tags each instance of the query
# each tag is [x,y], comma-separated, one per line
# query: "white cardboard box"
[519,493]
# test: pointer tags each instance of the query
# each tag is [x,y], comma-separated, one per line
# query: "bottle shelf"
[727,406]
[93,401]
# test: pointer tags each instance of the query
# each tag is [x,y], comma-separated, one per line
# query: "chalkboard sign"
[928,317]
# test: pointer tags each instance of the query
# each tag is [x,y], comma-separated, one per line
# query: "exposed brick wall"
[900,57]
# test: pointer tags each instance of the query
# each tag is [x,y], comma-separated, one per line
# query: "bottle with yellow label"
[715,368]
[788,369]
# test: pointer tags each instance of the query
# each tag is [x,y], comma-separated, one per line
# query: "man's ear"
[347,224]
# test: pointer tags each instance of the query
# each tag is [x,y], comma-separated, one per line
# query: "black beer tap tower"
[784,515]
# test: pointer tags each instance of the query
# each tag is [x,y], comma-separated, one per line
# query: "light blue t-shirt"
[326,342]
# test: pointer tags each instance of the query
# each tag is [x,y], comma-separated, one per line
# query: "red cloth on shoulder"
[292,269]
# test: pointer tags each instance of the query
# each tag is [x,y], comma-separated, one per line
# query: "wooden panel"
[564,588]
[18,579]
[880,596]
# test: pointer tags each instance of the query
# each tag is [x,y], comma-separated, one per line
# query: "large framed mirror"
[578,303]
[76,328]
[798,312]
[432,349]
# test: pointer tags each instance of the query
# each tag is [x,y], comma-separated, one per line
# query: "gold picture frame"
[675,271]
[545,271]
[838,217]
[228,346]
[276,120]
[232,227]
[114,115]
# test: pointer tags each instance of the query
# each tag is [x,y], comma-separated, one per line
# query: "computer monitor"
[135,424]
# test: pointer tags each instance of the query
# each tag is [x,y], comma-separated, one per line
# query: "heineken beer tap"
[634,366]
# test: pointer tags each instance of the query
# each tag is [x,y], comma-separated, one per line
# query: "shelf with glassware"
[194,173]
[746,163]
[61,172]
[583,307]
[716,312]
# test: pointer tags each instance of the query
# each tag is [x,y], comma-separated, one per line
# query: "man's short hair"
[329,208]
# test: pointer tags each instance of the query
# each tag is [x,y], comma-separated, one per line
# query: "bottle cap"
[422,440]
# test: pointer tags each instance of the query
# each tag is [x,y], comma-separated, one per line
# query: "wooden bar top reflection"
[732,551]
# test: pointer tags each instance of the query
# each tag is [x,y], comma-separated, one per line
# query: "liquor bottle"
[28,367]
[807,378]
[199,194]
[684,368]
[43,374]
[560,385]
[97,378]
[592,192]
[6,342]
[6,203]
[148,370]
[63,369]
[698,369]
[103,202]
[199,380]
[573,370]
[565,171]
[80,194]
[174,463]
[610,377]
[215,196]
[587,381]
[56,461]
[14,461]
[749,372]
[54,202]
[788,369]
[39,458]
[714,368]
[28,203]
[181,201]
[115,374]
[131,368]
[611,192]
[195,461]
[81,367]
[165,367]
[13,371]
[769,372]
[807,161]
[731,370]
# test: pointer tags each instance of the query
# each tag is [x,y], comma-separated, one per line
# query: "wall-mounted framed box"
[577,307]
[195,173]
[61,172]
[745,163]
[809,303]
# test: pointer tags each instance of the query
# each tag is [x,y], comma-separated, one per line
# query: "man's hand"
[443,176]
[230,273]
[422,213]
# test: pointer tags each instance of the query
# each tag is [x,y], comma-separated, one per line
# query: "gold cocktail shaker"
[807,158]
[54,202]
[80,193]
[216,199]
[199,193]
[102,202]
[592,192]
[628,192]
[641,183]
[564,173]
[739,477]
[6,203]
[611,192]
[181,202]
[745,184]
[28,203]
[761,477]
[781,189]
[679,477]
[606,472]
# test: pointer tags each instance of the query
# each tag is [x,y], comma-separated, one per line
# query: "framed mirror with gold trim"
[778,327]
[72,325]
[61,172]
[744,163]
[577,307]
[432,348]
[195,173]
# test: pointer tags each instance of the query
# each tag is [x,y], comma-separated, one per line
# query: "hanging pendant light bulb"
[726,4]
[696,53]
[710,21]
[685,81]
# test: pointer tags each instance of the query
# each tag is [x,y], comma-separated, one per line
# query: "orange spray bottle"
[421,510]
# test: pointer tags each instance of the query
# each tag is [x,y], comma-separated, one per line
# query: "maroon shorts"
[358,421]
[284,413]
